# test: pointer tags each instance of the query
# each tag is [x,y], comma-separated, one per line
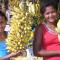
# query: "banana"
[21,25]
[58,29]
[58,26]
[20,32]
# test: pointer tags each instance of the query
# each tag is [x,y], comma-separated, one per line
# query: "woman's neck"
[52,26]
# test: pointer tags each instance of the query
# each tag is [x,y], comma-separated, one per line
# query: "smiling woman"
[3,51]
[50,14]
[46,43]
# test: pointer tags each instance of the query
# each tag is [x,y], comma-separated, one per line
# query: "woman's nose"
[50,15]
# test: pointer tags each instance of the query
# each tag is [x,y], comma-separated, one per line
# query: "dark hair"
[46,3]
[3,14]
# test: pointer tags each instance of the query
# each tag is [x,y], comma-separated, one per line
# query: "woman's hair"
[46,3]
[3,15]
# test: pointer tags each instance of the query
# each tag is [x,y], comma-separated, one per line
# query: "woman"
[46,43]
[3,52]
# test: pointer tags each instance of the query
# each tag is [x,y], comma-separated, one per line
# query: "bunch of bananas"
[20,32]
[21,23]
[58,29]
[20,29]
[34,8]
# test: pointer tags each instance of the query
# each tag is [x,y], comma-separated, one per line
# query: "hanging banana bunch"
[34,8]
[20,28]
[14,3]
[20,33]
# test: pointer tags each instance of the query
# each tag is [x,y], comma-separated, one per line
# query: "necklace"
[51,29]
[54,32]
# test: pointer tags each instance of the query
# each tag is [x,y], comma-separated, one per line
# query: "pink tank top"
[50,41]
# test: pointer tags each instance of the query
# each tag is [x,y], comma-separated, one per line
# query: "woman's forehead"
[49,8]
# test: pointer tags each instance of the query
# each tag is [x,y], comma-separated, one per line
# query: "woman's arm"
[37,45]
[44,53]
[10,55]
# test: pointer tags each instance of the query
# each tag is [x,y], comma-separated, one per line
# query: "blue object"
[3,51]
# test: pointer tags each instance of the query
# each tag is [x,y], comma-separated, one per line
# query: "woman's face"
[50,14]
[2,23]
